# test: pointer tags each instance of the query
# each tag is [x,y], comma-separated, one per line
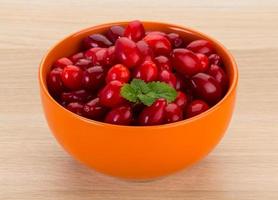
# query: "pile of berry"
[128,76]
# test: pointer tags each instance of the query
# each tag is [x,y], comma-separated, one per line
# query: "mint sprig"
[137,91]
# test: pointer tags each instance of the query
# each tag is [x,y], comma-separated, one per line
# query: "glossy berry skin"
[196,107]
[145,51]
[110,95]
[101,57]
[181,100]
[173,113]
[159,44]
[72,77]
[118,72]
[126,52]
[62,62]
[147,71]
[115,32]
[204,61]
[96,40]
[163,63]
[84,63]
[156,33]
[167,77]
[181,85]
[135,31]
[153,115]
[175,40]
[206,87]
[93,77]
[111,58]
[75,96]
[75,107]
[120,115]
[185,62]
[201,46]
[91,53]
[75,57]
[219,75]
[215,59]
[94,110]
[54,82]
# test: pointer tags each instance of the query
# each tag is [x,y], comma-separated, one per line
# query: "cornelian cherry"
[93,77]
[62,62]
[54,81]
[147,71]
[72,77]
[201,46]
[120,115]
[181,100]
[93,109]
[158,43]
[204,61]
[167,77]
[163,63]
[114,33]
[118,72]
[135,31]
[196,107]
[75,107]
[219,75]
[173,113]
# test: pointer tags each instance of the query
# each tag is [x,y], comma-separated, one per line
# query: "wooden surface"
[243,166]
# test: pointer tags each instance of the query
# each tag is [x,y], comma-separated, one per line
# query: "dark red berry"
[201,46]
[163,63]
[91,53]
[135,31]
[101,57]
[175,40]
[75,107]
[96,40]
[126,52]
[75,57]
[153,115]
[93,77]
[215,59]
[219,75]
[204,61]
[110,95]
[206,87]
[72,77]
[173,113]
[54,81]
[159,44]
[120,115]
[62,62]
[196,107]
[94,110]
[75,96]
[111,57]
[167,77]
[84,63]
[185,62]
[181,100]
[118,72]
[115,32]
[147,71]
[181,85]
[144,50]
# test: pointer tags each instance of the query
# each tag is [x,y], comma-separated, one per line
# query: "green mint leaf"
[145,99]
[163,90]
[129,93]
[139,86]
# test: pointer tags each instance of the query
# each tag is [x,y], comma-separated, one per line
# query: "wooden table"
[245,164]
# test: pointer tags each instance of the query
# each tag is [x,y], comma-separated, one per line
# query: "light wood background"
[245,164]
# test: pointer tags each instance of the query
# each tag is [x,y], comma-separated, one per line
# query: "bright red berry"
[181,100]
[62,62]
[204,61]
[196,107]
[118,72]
[167,77]
[163,63]
[173,113]
[201,46]
[175,40]
[147,71]
[145,51]
[219,75]
[72,77]
[120,115]
[215,59]
[159,44]
[75,57]
[135,31]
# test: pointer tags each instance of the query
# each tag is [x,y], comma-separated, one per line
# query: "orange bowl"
[137,152]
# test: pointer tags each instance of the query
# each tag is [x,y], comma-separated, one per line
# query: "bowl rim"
[232,86]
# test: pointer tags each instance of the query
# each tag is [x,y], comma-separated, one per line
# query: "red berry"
[181,100]
[120,115]
[62,62]
[75,107]
[72,77]
[93,77]
[147,71]
[204,61]
[181,85]
[219,75]
[163,63]
[173,113]
[96,40]
[75,57]
[54,81]
[111,58]
[153,115]
[175,40]
[201,46]
[84,63]
[206,87]
[101,57]
[167,77]
[91,53]
[159,44]
[115,32]
[196,107]
[135,31]
[126,52]
[110,95]
[156,33]
[144,50]
[75,96]
[118,72]
[215,59]
[185,62]
[94,110]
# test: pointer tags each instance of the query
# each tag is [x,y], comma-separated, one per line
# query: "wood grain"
[243,166]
